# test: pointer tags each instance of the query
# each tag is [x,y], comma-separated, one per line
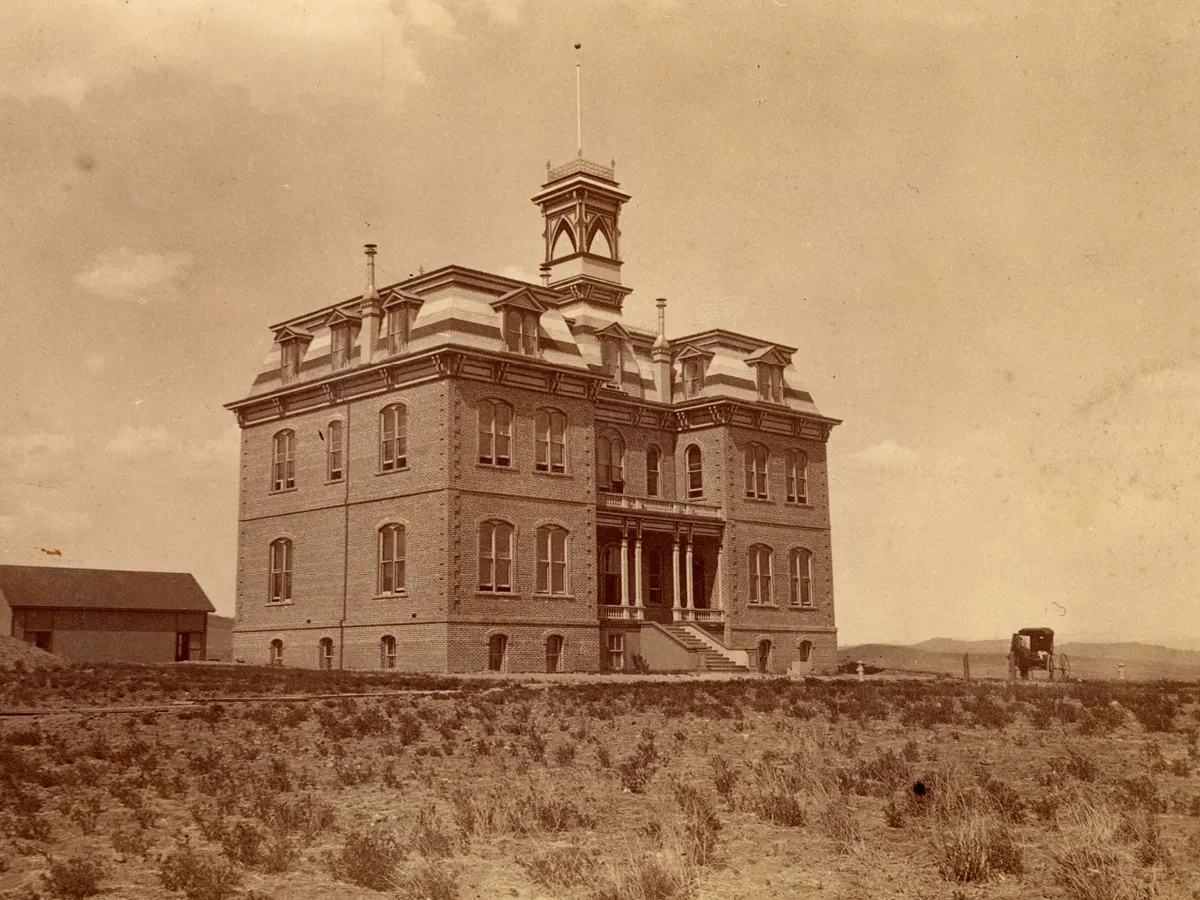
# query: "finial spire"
[578,109]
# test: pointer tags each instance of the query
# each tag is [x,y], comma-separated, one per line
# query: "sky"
[978,223]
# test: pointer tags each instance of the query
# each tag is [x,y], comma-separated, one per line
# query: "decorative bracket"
[797,427]
[722,413]
[448,363]
[681,420]
[499,370]
[241,417]
[279,404]
[333,392]
[756,419]
[593,389]
[555,382]
[391,377]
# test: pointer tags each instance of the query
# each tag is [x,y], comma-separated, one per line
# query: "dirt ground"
[618,788]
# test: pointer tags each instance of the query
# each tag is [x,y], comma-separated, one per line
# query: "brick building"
[463,472]
[105,615]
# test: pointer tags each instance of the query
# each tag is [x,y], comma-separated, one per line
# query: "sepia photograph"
[599,450]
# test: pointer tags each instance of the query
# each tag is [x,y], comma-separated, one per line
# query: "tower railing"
[584,166]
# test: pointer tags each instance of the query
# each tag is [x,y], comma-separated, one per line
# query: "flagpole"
[578,114]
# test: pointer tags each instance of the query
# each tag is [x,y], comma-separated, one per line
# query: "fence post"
[966,667]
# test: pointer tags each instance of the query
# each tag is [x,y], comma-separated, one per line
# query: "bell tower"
[581,210]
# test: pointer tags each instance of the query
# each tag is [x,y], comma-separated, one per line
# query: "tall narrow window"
[281,571]
[610,463]
[521,331]
[399,328]
[797,477]
[335,453]
[805,651]
[800,563]
[693,376]
[290,354]
[695,473]
[341,337]
[387,652]
[393,438]
[554,645]
[552,560]
[551,428]
[653,465]
[283,461]
[654,576]
[770,383]
[764,656]
[495,557]
[760,573]
[497,652]
[756,471]
[495,433]
[325,654]
[391,559]
[616,652]
[612,358]
[277,652]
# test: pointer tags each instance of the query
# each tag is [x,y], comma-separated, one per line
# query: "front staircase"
[714,660]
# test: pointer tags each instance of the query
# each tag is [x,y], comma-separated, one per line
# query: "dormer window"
[770,383]
[521,331]
[292,344]
[693,376]
[342,340]
[397,329]
[612,358]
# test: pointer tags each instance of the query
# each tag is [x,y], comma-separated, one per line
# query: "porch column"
[720,570]
[675,599]
[624,568]
[637,568]
[690,599]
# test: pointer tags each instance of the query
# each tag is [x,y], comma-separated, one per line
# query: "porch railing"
[699,615]
[621,613]
[654,505]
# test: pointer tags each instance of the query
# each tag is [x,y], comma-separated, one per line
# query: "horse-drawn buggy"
[1033,650]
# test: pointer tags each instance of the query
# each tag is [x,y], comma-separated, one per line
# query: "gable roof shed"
[51,587]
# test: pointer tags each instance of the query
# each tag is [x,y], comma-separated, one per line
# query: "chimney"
[661,353]
[370,309]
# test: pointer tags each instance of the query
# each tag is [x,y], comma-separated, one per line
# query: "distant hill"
[989,659]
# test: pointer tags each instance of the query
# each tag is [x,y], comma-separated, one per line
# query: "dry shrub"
[839,821]
[430,838]
[651,876]
[562,867]
[1095,859]
[130,840]
[73,878]
[700,828]
[973,847]
[535,806]
[426,879]
[368,858]
[197,875]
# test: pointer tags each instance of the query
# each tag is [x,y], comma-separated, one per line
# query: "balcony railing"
[699,615]
[621,613]
[626,503]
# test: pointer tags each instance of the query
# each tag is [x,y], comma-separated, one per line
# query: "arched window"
[551,428]
[756,471]
[695,473]
[654,576]
[551,560]
[283,461]
[805,651]
[495,557]
[335,452]
[764,656]
[797,477]
[653,467]
[391,559]
[495,433]
[325,653]
[561,247]
[760,573]
[800,564]
[393,438]
[277,652]
[387,652]
[497,652]
[554,646]
[281,571]
[610,463]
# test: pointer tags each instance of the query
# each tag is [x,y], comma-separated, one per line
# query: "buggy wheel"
[1064,667]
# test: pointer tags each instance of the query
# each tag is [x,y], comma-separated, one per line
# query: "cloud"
[886,454]
[122,275]
[27,456]
[505,11]
[430,15]
[1171,381]
[151,442]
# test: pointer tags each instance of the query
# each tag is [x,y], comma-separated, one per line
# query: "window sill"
[758,499]
[537,596]
[802,504]
[552,474]
[335,481]
[495,467]
[403,468]
[399,595]
[752,605]
[273,603]
[798,608]
[497,595]
[286,490]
